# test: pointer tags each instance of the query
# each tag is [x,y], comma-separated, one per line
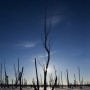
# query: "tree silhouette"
[47,44]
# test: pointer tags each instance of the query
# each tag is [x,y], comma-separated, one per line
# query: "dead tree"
[47,44]
[82,81]
[59,78]
[74,80]
[12,83]
[79,75]
[67,79]
[20,75]
[1,81]
[16,81]
[20,78]
[55,79]
[36,75]
[33,82]
[50,79]
[55,76]
[47,49]
[1,74]
[22,81]
[53,82]
[6,76]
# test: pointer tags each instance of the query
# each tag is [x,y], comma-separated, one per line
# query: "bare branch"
[36,74]
[40,64]
[49,27]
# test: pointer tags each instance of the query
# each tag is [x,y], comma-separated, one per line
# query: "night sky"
[21,26]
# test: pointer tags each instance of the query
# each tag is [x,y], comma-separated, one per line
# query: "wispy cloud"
[55,20]
[27,44]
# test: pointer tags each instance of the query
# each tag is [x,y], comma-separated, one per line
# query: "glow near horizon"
[29,76]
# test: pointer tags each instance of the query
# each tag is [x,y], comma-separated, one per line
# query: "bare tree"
[16,81]
[18,75]
[59,78]
[67,78]
[6,76]
[1,74]
[47,44]
[36,75]
[79,75]
[75,80]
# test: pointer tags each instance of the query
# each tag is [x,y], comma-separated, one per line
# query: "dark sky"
[21,25]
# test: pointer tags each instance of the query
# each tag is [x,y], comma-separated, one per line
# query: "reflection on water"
[47,88]
[85,88]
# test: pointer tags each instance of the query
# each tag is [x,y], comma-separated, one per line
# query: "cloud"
[54,20]
[27,44]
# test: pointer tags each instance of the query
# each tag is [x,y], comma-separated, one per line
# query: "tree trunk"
[20,84]
[36,75]
[45,84]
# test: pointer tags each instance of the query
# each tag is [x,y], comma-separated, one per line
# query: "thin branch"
[49,27]
[40,64]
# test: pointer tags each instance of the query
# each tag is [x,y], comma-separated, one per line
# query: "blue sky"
[21,25]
